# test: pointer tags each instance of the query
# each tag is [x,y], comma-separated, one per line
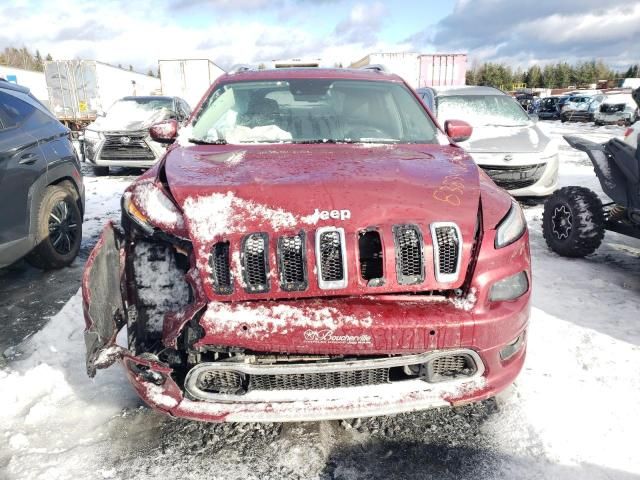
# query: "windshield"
[313,111]
[482,110]
[138,109]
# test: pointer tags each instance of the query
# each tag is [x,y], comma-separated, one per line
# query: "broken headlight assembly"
[150,208]
[512,226]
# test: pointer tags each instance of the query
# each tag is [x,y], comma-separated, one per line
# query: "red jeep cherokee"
[312,246]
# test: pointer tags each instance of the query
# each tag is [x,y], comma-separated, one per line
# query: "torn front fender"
[102,300]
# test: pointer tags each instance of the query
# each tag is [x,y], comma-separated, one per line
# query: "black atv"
[575,219]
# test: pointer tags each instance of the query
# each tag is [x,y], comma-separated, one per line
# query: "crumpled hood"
[115,123]
[382,184]
[526,139]
[226,192]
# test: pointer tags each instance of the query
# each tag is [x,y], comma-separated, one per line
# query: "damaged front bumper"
[398,335]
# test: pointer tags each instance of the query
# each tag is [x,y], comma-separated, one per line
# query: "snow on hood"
[518,139]
[129,116]
[219,214]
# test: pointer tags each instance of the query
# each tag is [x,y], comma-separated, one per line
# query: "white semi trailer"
[80,90]
[188,78]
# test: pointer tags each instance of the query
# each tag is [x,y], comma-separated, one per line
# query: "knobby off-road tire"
[58,229]
[573,222]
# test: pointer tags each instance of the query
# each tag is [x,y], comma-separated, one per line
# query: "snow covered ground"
[572,414]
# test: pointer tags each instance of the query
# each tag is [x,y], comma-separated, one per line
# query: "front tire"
[573,222]
[58,231]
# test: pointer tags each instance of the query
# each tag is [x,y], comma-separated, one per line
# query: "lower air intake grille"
[447,367]
[330,253]
[409,255]
[447,250]
[255,262]
[512,178]
[310,381]
[222,381]
[292,262]
[220,268]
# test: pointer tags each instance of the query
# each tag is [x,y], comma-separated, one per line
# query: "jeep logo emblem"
[333,214]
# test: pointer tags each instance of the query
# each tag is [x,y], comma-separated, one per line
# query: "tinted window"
[314,110]
[13,111]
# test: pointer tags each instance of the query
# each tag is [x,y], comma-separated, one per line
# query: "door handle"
[28,159]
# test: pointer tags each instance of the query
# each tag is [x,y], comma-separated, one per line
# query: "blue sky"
[139,32]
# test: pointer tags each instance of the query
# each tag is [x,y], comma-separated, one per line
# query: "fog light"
[511,349]
[509,288]
[146,374]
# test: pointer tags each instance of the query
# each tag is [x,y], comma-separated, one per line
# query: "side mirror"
[457,130]
[164,132]
[533,117]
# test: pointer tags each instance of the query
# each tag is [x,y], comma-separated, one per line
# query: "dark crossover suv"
[41,190]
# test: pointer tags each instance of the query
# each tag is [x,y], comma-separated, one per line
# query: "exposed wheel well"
[71,185]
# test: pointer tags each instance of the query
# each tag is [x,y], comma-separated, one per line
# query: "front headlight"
[509,288]
[92,135]
[135,215]
[149,207]
[512,227]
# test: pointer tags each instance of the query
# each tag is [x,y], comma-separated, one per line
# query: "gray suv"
[41,190]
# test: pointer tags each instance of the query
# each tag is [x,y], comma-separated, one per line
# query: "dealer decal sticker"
[329,336]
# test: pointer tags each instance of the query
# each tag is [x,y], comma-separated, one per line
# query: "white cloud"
[539,30]
[141,32]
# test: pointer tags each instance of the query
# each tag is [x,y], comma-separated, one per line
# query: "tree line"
[25,59]
[557,75]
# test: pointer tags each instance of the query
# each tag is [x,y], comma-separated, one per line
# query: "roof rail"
[376,67]
[240,68]
[13,86]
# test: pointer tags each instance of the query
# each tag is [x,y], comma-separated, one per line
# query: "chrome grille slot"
[255,262]
[447,251]
[220,268]
[331,258]
[371,258]
[292,262]
[409,254]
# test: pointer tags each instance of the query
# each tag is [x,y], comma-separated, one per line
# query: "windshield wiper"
[324,140]
[199,141]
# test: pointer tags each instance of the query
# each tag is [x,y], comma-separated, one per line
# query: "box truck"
[421,70]
[80,90]
[188,78]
